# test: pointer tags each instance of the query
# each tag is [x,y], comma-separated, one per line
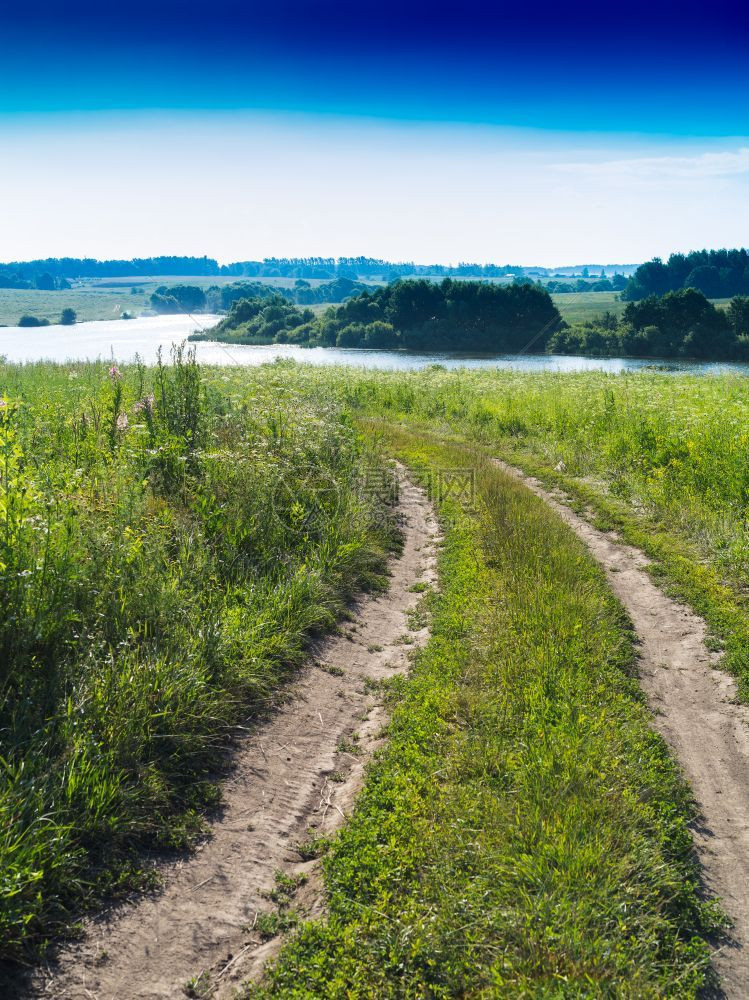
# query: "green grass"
[576,307]
[524,833]
[662,457]
[88,303]
[169,542]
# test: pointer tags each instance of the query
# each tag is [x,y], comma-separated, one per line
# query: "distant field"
[577,306]
[87,302]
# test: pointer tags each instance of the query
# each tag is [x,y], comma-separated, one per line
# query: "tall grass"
[676,446]
[168,544]
[524,833]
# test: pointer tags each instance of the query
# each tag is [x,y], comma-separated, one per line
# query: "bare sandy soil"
[696,711]
[296,772]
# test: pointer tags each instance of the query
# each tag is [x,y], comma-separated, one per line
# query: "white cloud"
[704,165]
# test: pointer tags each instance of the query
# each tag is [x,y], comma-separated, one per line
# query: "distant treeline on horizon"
[715,273]
[324,268]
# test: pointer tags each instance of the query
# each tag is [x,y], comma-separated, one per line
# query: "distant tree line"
[42,281]
[680,324]
[86,267]
[25,273]
[616,283]
[412,314]
[191,298]
[715,273]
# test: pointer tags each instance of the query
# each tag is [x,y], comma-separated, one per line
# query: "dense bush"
[178,298]
[32,321]
[266,320]
[416,315]
[229,294]
[678,324]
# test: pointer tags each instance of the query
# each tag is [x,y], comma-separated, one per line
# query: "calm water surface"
[121,340]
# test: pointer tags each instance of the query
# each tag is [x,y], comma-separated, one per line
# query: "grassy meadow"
[168,545]
[171,537]
[89,304]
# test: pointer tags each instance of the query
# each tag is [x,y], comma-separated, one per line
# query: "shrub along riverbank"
[473,317]
[524,833]
[168,544]
[681,324]
[413,315]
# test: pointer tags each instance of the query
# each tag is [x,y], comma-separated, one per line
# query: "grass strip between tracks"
[524,832]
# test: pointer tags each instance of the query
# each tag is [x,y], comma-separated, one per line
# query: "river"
[121,340]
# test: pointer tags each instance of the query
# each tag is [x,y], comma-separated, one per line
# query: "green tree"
[178,298]
[738,315]
[45,282]
[706,280]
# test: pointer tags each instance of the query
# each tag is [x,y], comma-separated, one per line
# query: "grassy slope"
[157,582]
[524,832]
[89,304]
[109,297]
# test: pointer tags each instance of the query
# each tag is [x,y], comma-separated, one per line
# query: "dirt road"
[697,714]
[298,771]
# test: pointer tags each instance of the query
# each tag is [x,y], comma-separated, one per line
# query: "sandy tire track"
[696,711]
[202,918]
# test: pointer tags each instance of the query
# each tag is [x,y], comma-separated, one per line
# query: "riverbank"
[122,340]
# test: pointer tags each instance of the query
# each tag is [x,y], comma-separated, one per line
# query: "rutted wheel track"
[204,918]
[697,714]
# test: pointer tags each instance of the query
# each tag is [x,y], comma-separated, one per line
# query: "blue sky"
[484,132]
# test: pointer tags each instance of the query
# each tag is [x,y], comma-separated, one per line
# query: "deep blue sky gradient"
[527,132]
[648,68]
